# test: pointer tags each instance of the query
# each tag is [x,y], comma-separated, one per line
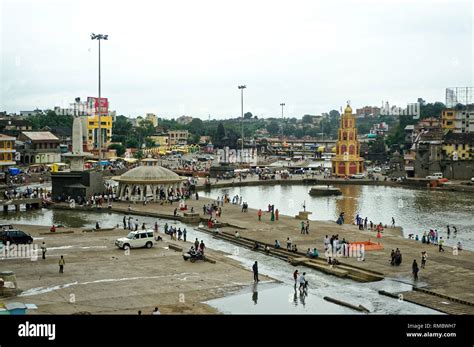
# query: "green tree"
[196,126]
[273,127]
[131,142]
[139,154]
[431,110]
[120,149]
[299,133]
[334,114]
[50,118]
[121,126]
[149,142]
[248,115]
[219,138]
[307,119]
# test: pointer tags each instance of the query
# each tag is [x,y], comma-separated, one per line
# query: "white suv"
[435,176]
[136,239]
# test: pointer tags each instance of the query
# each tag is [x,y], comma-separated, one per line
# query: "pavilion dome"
[149,174]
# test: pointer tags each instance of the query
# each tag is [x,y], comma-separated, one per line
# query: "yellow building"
[347,160]
[160,140]
[459,146]
[93,127]
[7,152]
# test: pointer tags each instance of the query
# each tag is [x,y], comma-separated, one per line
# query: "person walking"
[307,227]
[302,227]
[424,256]
[449,231]
[393,222]
[295,277]
[440,244]
[124,223]
[43,250]
[288,244]
[415,269]
[302,281]
[184,234]
[277,214]
[259,213]
[62,262]
[196,244]
[255,272]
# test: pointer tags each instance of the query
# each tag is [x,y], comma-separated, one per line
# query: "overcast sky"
[188,57]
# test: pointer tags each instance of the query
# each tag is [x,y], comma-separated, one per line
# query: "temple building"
[347,160]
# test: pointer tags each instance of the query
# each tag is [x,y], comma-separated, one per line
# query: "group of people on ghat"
[173,232]
[31,193]
[365,224]
[433,237]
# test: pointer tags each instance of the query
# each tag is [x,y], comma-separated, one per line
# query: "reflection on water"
[414,210]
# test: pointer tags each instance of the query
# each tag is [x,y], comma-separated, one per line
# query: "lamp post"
[242,114]
[282,123]
[99,37]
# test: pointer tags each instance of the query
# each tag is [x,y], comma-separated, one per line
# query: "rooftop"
[40,136]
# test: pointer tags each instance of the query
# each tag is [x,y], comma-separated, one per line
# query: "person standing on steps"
[184,234]
[62,262]
[295,277]
[415,269]
[424,256]
[43,249]
[393,222]
[259,213]
[255,272]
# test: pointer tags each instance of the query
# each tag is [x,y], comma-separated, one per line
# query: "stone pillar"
[166,191]
[142,188]
[129,192]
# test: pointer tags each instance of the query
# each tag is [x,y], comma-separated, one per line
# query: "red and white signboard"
[98,105]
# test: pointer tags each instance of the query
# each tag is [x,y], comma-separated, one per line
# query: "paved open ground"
[101,279]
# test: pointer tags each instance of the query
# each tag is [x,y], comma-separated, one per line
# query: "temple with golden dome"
[347,160]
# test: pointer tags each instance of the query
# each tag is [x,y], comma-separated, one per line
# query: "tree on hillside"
[273,127]
[307,119]
[248,115]
[219,138]
[120,149]
[432,110]
[334,114]
[121,126]
[50,118]
[196,126]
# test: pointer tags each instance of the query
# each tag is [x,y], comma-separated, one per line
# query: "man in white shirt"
[155,311]
[302,281]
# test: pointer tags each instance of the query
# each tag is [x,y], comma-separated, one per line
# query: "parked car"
[15,237]
[435,176]
[136,239]
[377,169]
[358,176]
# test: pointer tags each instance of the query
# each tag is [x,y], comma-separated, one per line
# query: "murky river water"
[263,298]
[414,210]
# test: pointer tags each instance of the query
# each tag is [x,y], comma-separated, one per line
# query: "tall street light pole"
[99,37]
[242,114]
[282,123]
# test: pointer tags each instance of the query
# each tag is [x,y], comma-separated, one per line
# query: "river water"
[270,297]
[415,210]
